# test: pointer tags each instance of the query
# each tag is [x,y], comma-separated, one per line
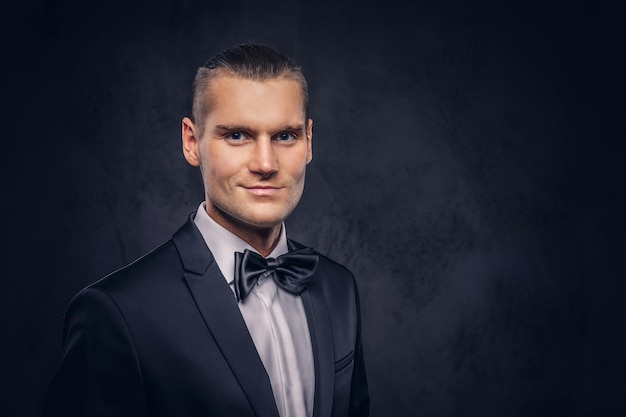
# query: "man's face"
[253,153]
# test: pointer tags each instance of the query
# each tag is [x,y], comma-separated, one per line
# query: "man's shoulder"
[140,286]
[161,263]
[160,266]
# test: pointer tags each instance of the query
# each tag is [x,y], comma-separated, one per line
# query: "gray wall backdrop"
[466,168]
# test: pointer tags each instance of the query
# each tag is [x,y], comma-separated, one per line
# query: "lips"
[262,190]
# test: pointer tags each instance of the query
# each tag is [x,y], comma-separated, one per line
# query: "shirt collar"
[223,244]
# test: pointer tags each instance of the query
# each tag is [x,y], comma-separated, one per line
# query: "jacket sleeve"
[100,373]
[359,394]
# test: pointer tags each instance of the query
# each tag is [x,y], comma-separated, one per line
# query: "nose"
[263,160]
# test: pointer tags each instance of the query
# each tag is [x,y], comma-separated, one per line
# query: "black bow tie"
[291,271]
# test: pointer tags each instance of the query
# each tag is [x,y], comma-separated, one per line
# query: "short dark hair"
[247,61]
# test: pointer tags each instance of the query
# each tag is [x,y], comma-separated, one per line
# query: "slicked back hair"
[247,61]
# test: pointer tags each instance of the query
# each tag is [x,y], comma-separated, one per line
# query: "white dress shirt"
[275,319]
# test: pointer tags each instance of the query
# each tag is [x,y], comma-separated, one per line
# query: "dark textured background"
[467,168]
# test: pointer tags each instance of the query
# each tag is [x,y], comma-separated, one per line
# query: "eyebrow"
[233,128]
[228,128]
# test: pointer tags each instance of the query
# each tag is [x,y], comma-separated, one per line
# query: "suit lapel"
[322,341]
[318,319]
[221,314]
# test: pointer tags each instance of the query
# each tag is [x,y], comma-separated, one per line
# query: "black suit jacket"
[164,336]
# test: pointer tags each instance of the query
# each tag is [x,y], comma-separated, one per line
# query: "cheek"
[218,167]
[219,176]
[296,164]
[302,167]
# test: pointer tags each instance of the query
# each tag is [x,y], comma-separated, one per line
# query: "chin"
[263,222]
[250,215]
[265,219]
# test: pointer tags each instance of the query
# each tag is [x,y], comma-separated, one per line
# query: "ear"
[190,142]
[309,139]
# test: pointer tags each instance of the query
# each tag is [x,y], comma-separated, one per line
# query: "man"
[229,317]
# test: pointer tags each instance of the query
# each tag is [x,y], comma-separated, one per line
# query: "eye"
[235,136]
[285,137]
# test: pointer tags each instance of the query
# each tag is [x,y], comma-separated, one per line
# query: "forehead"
[237,100]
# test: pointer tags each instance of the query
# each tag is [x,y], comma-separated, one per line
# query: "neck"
[262,239]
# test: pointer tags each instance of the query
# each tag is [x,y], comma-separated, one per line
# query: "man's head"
[251,137]
[248,62]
